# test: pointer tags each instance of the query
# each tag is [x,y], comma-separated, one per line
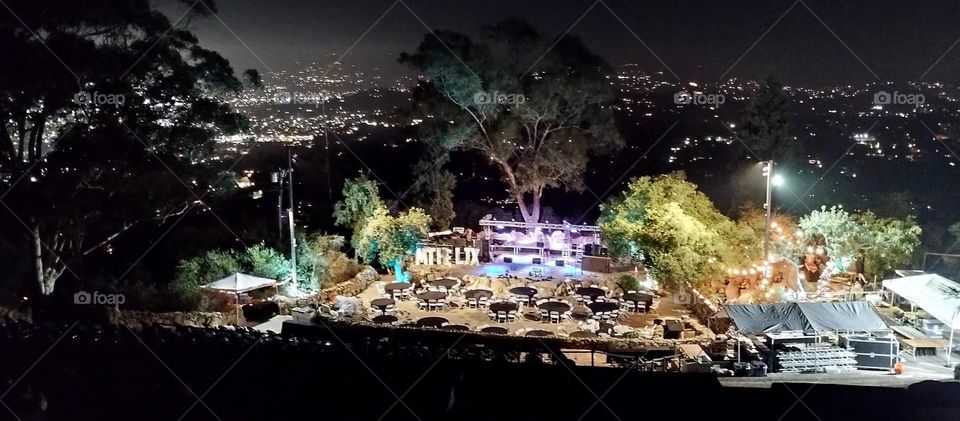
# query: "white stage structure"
[539,242]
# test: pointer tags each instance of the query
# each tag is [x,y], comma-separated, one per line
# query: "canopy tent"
[933,293]
[239,283]
[836,316]
[908,272]
[843,316]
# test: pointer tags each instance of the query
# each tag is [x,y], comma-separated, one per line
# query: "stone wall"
[350,288]
[189,318]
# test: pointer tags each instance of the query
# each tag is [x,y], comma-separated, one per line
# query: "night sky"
[697,40]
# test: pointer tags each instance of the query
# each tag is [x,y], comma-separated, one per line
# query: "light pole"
[285,175]
[768,208]
[771,180]
[293,238]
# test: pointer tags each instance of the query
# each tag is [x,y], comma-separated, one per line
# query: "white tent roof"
[239,282]
[933,293]
[909,272]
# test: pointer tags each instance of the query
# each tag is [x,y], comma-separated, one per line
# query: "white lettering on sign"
[430,256]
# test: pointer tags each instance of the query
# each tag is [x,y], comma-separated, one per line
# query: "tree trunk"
[530,211]
[46,277]
[38,260]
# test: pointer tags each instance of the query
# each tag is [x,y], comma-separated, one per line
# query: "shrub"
[629,283]
[184,291]
[340,269]
[213,301]
[266,262]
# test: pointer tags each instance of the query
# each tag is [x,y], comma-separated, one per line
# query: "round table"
[639,297]
[539,333]
[432,321]
[495,330]
[475,294]
[385,320]
[445,282]
[382,303]
[583,334]
[432,295]
[603,307]
[504,306]
[459,328]
[396,287]
[527,291]
[591,292]
[555,307]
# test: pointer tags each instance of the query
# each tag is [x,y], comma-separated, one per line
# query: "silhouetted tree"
[108,112]
[535,106]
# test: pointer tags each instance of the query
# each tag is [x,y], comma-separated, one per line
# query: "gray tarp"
[847,316]
[760,318]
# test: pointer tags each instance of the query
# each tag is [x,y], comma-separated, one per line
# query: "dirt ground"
[458,313]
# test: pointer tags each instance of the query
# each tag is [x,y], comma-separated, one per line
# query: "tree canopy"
[109,111]
[671,226]
[766,124]
[361,198]
[536,116]
[885,243]
[391,239]
[378,235]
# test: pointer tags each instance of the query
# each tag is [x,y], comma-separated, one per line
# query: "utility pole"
[768,172]
[290,211]
[277,178]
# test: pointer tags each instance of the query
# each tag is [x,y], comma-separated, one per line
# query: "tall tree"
[671,226]
[104,101]
[391,239]
[885,243]
[361,198]
[433,190]
[536,116]
[765,133]
[766,124]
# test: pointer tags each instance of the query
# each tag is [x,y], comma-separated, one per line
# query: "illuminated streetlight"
[777,180]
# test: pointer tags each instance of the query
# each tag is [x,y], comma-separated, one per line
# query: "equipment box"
[872,353]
